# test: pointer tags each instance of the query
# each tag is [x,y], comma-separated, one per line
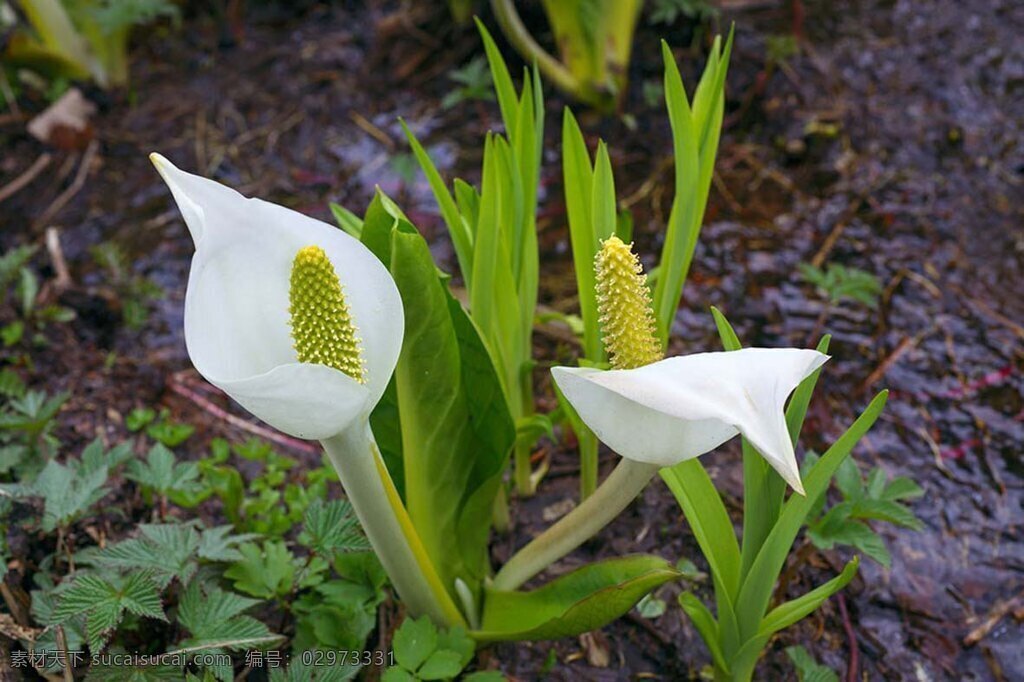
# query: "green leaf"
[709,520]
[783,616]
[442,665]
[347,220]
[580,601]
[901,488]
[264,572]
[706,626]
[218,544]
[456,430]
[216,621]
[66,496]
[396,674]
[104,602]
[458,230]
[160,472]
[485,676]
[807,669]
[578,180]
[757,588]
[414,641]
[651,607]
[165,551]
[331,527]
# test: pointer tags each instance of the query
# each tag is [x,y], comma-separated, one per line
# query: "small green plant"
[158,426]
[594,40]
[839,283]
[27,441]
[473,82]
[667,12]
[424,652]
[136,293]
[875,498]
[746,574]
[161,476]
[82,38]
[807,669]
[30,319]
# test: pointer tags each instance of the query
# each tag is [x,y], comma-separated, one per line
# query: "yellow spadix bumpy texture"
[624,306]
[321,324]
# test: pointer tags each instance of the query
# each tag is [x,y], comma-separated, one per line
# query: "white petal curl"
[682,407]
[236,308]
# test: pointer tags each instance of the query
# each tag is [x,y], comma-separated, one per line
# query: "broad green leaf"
[264,572]
[456,430]
[580,601]
[166,551]
[441,665]
[792,611]
[414,641]
[757,587]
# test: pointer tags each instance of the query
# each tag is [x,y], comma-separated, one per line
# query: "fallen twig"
[220,413]
[992,619]
[851,671]
[30,174]
[76,185]
[60,265]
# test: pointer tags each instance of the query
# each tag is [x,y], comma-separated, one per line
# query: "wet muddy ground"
[892,143]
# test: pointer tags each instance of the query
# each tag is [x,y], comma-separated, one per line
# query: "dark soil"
[892,143]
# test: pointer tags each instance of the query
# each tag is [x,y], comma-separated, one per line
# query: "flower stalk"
[371,492]
[622,486]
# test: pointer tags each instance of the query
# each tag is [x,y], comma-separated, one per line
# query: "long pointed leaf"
[758,585]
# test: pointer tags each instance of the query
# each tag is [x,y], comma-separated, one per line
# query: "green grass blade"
[681,217]
[462,239]
[706,626]
[792,611]
[759,583]
[603,196]
[578,180]
[507,100]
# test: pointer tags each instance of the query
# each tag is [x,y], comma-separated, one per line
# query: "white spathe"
[236,308]
[684,406]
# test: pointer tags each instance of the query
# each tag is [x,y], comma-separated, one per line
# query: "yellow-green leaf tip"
[321,324]
[624,306]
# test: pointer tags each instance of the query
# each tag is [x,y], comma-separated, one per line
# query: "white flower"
[237,308]
[682,407]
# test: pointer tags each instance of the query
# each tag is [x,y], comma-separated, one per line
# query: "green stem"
[588,461]
[517,33]
[522,469]
[620,488]
[369,488]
